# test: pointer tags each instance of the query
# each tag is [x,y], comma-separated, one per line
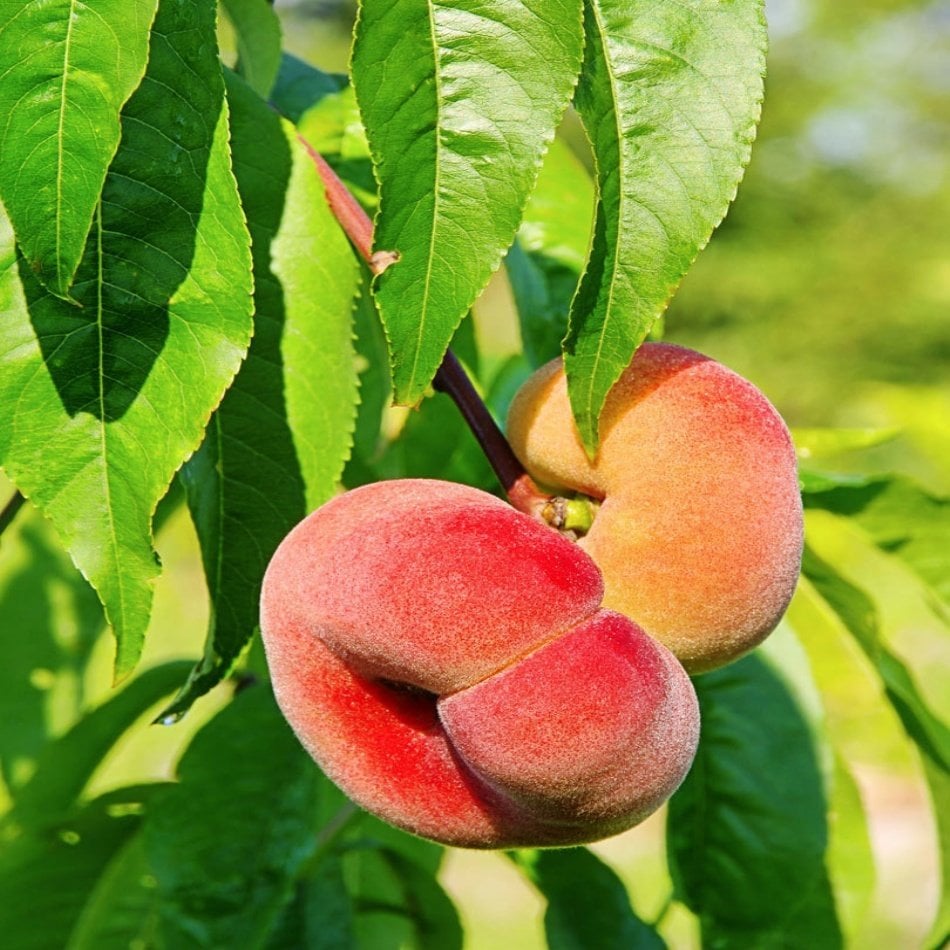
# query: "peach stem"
[451,379]
[519,486]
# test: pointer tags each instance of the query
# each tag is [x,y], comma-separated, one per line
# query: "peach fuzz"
[446,662]
[699,531]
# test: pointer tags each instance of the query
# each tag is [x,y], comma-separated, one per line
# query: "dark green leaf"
[750,819]
[391,888]
[670,95]
[588,905]
[101,403]
[478,91]
[48,875]
[544,264]
[276,446]
[227,842]
[300,85]
[436,443]
[258,41]
[65,765]
[121,910]
[68,68]
[320,917]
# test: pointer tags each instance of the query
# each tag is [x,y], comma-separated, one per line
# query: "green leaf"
[320,917]
[821,443]
[670,96]
[478,90]
[435,443]
[806,652]
[939,783]
[862,726]
[275,448]
[546,260]
[587,903]
[332,126]
[121,910]
[395,888]
[258,41]
[375,387]
[101,403]
[42,673]
[899,516]
[46,876]
[751,818]
[65,765]
[228,840]
[857,612]
[300,85]
[68,68]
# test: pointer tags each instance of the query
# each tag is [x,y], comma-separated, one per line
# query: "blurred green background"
[828,286]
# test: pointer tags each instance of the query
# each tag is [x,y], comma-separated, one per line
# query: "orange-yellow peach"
[699,531]
[446,661]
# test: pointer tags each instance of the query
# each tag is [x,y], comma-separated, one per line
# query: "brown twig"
[450,379]
[520,488]
[350,214]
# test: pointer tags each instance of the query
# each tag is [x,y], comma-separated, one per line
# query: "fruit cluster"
[470,675]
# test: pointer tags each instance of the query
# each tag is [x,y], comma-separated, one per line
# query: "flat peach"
[445,661]
[699,534]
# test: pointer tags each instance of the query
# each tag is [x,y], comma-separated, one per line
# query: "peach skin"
[446,661]
[699,530]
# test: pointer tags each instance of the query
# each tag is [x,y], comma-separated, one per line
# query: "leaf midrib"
[60,161]
[621,202]
[117,622]
[436,194]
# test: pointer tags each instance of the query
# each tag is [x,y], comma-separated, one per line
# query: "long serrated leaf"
[751,817]
[226,843]
[101,403]
[258,40]
[275,448]
[670,96]
[67,70]
[478,88]
[65,765]
[587,903]
[858,613]
[862,726]
[805,655]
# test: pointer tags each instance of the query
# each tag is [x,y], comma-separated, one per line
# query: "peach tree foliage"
[183,316]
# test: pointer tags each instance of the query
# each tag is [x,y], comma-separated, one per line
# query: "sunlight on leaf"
[123,385]
[670,96]
[68,68]
[479,93]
